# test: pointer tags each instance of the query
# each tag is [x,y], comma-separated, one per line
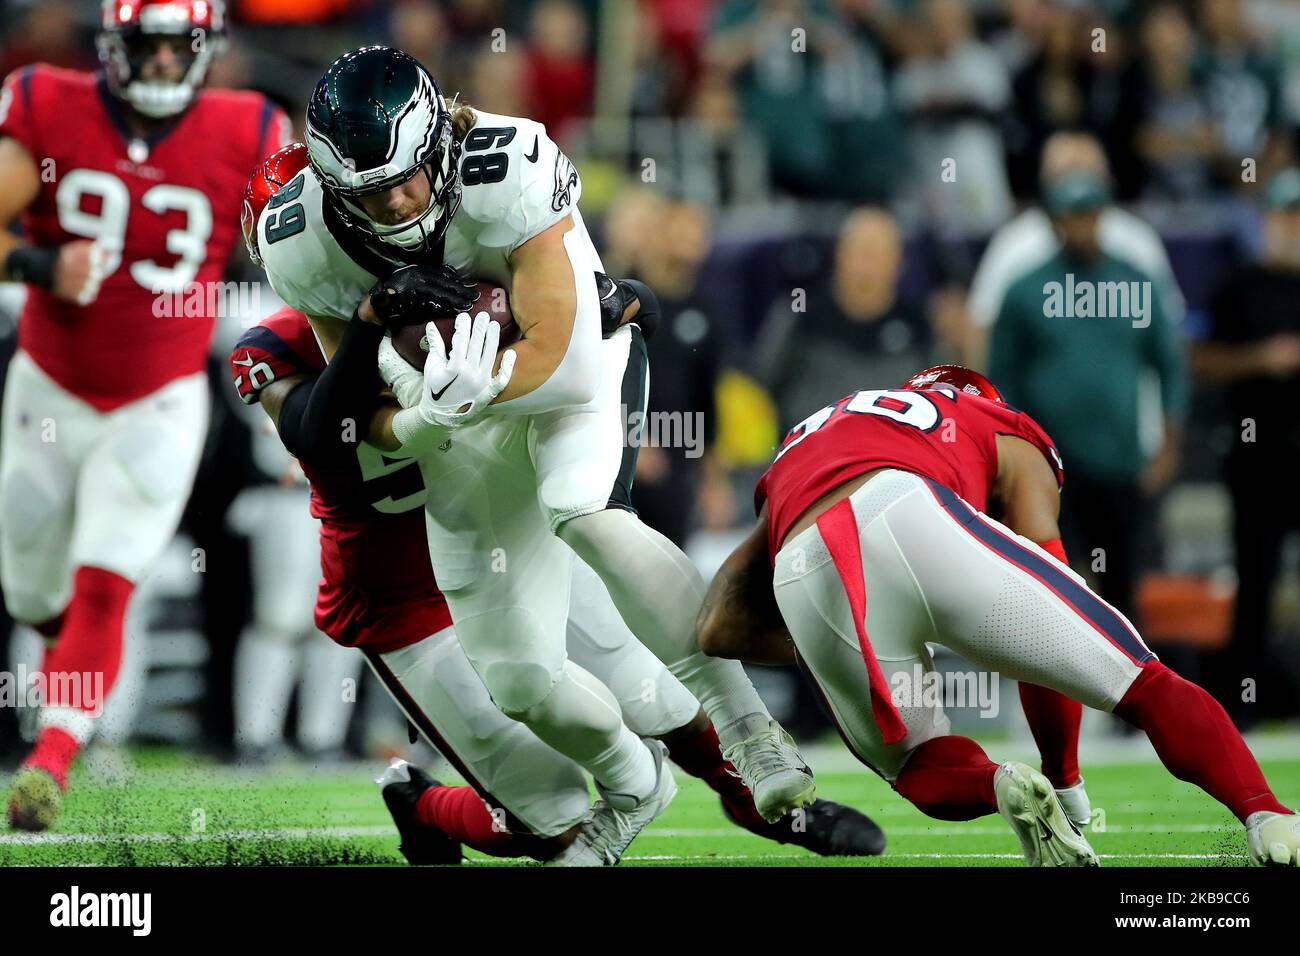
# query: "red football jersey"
[938,433]
[166,210]
[377,589]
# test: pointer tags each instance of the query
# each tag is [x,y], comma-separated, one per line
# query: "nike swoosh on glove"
[459,383]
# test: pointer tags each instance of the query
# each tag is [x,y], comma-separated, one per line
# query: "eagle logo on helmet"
[376,120]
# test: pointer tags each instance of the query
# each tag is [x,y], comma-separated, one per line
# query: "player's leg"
[1054,722]
[131,488]
[656,704]
[1002,603]
[585,462]
[860,625]
[45,433]
[326,696]
[327,673]
[41,445]
[284,577]
[511,622]
[522,799]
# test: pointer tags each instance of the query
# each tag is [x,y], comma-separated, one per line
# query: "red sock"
[1054,722]
[1196,740]
[461,813]
[701,756]
[54,751]
[949,778]
[79,670]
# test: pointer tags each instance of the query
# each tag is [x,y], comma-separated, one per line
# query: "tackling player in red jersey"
[873,540]
[378,594]
[128,185]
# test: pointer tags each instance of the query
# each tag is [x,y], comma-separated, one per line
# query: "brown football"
[492,299]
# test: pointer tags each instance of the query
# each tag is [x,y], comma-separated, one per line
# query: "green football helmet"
[377,119]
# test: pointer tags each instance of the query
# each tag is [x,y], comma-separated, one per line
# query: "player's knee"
[29,510]
[518,687]
[576,531]
[148,458]
[596,533]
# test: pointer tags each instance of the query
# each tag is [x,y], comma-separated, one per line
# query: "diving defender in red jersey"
[874,540]
[128,183]
[378,594]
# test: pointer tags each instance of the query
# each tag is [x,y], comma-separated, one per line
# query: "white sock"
[327,694]
[658,592]
[264,675]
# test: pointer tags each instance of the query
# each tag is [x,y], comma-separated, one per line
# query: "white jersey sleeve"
[1016,248]
[515,181]
[304,263]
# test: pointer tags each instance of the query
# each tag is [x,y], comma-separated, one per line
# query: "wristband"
[1055,548]
[416,435]
[33,265]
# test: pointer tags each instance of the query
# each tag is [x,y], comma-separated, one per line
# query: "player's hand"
[418,293]
[459,383]
[79,270]
[622,302]
[406,382]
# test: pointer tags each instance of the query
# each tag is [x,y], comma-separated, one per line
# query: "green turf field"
[173,812]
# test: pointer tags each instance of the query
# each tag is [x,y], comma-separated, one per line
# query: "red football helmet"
[125,44]
[276,170]
[959,377]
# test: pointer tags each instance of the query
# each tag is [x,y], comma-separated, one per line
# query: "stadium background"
[722,145]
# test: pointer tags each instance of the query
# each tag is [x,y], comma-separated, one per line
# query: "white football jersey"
[515,184]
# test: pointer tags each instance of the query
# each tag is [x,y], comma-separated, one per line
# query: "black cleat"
[423,845]
[826,828]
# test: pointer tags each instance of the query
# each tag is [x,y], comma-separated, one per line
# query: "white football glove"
[406,382]
[459,384]
[417,436]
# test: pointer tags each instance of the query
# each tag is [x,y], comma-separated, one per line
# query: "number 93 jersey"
[164,210]
[515,183]
[937,433]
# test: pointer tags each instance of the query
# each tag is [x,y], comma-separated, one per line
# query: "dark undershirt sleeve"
[324,418]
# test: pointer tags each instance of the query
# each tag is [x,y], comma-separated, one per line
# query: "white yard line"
[383,830]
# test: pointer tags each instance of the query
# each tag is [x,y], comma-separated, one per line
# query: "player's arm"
[558,313]
[20,182]
[324,417]
[740,618]
[272,397]
[68,270]
[1030,496]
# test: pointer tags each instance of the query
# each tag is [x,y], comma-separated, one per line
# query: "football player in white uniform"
[535,455]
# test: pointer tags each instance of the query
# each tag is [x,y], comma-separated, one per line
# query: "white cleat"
[1075,803]
[618,819]
[1028,803]
[774,771]
[1273,839]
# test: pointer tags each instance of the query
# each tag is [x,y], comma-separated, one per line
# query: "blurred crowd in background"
[829,195]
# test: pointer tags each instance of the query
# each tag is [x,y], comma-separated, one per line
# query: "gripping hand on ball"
[458,383]
[406,382]
[418,293]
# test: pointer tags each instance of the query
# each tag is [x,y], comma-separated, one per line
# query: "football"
[493,299]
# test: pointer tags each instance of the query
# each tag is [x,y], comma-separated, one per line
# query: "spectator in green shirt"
[1076,343]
